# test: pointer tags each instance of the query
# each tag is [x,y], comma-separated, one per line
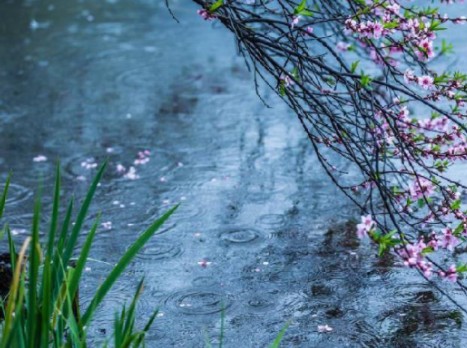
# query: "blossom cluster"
[403,128]
[409,31]
[385,31]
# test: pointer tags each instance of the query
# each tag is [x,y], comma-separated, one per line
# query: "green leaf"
[4,195]
[459,229]
[446,47]
[382,248]
[122,264]
[456,204]
[306,13]
[71,242]
[47,274]
[221,336]
[216,5]
[34,263]
[354,66]
[295,73]
[280,336]
[81,262]
[390,25]
[55,207]
[365,80]
[421,202]
[301,6]
[427,250]
[282,90]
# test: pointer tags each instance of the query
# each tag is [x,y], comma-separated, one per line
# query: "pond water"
[261,231]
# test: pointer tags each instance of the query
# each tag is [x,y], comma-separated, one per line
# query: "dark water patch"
[420,323]
[334,312]
[321,290]
[365,334]
[179,104]
[416,294]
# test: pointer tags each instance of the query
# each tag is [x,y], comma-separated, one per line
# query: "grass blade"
[34,262]
[122,264]
[279,337]
[55,208]
[4,195]
[148,325]
[47,274]
[15,290]
[71,242]
[221,336]
[11,248]
[81,262]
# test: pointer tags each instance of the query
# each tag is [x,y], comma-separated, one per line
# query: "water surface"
[261,231]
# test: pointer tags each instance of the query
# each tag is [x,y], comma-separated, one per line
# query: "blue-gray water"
[83,81]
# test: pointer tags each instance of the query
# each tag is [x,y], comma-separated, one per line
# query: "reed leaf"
[123,263]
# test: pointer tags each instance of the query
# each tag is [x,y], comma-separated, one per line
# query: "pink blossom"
[377,30]
[412,254]
[460,20]
[325,328]
[409,76]
[425,50]
[426,82]
[295,21]
[286,80]
[426,268]
[394,8]
[89,164]
[206,15]
[342,46]
[421,188]
[448,240]
[107,225]
[120,168]
[365,226]
[204,263]
[39,158]
[131,174]
[451,274]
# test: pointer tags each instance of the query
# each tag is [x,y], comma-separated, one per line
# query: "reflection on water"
[83,81]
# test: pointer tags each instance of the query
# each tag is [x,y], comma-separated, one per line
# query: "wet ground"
[261,231]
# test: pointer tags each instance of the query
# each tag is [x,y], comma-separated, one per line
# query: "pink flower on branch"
[448,241]
[365,226]
[206,15]
[426,82]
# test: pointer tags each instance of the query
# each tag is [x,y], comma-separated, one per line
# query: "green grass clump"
[41,309]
